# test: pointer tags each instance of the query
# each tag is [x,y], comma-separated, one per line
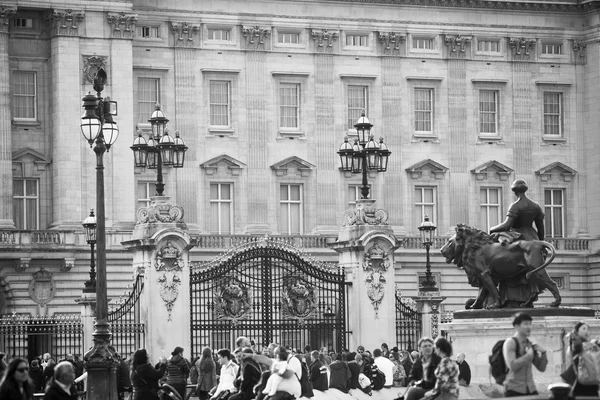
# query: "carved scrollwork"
[375,264]
[184,33]
[299,299]
[521,46]
[457,43]
[66,22]
[170,262]
[122,24]
[233,300]
[162,212]
[366,216]
[391,41]
[323,38]
[6,14]
[255,36]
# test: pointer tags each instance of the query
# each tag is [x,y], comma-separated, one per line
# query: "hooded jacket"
[340,376]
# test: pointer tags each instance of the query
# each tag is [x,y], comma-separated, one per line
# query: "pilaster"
[67,152]
[522,130]
[6,182]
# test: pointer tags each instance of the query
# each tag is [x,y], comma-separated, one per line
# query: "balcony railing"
[227,241]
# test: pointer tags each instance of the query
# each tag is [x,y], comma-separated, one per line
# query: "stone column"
[66,113]
[6,182]
[88,315]
[428,304]
[366,245]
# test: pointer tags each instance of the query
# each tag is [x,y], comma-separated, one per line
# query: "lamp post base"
[101,363]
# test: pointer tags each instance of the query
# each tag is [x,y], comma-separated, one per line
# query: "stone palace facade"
[469,95]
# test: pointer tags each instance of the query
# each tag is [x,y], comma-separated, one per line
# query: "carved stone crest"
[299,299]
[122,24]
[184,33]
[233,300]
[365,216]
[391,41]
[159,212]
[42,288]
[376,264]
[255,36]
[66,22]
[323,38]
[169,261]
[91,65]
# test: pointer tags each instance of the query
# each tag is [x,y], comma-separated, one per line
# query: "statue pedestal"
[474,333]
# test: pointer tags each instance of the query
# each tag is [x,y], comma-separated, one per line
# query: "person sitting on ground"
[385,350]
[399,371]
[289,387]
[340,375]
[385,365]
[144,377]
[446,374]
[278,368]
[464,377]
[407,362]
[422,376]
[15,384]
[229,371]
[355,367]
[250,376]
[62,386]
[318,372]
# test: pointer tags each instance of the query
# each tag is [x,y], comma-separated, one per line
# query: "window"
[552,113]
[148,96]
[293,38]
[23,23]
[289,105]
[559,280]
[489,209]
[488,112]
[26,203]
[423,110]
[488,46]
[554,49]
[420,43]
[221,208]
[220,106]
[425,204]
[356,40]
[554,210]
[145,190]
[24,91]
[147,32]
[290,200]
[219,34]
[358,99]
[354,193]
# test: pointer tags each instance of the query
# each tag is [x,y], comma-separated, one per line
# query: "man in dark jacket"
[37,376]
[422,377]
[62,387]
[340,374]
[250,376]
[354,367]
[318,373]
[464,374]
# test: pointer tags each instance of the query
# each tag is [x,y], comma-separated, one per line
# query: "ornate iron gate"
[408,323]
[269,291]
[128,333]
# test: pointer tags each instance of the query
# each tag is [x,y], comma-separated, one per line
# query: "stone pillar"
[160,248]
[6,182]
[366,245]
[88,315]
[428,304]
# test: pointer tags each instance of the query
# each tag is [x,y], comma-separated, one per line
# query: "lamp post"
[101,132]
[427,228]
[89,227]
[365,155]
[160,150]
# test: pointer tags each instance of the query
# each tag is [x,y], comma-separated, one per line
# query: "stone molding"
[391,41]
[565,172]
[234,167]
[6,14]
[255,36]
[122,25]
[376,263]
[483,171]
[65,22]
[159,210]
[323,38]
[91,66]
[365,214]
[437,169]
[457,44]
[521,47]
[184,33]
[580,48]
[303,167]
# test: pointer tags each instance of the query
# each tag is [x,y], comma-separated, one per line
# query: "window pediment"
[223,163]
[436,169]
[302,167]
[27,160]
[492,167]
[558,169]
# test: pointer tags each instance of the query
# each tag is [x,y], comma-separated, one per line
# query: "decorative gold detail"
[122,24]
[391,41]
[299,299]
[66,22]
[521,46]
[91,66]
[458,43]
[255,36]
[376,263]
[170,262]
[42,288]
[184,33]
[6,14]
[233,300]
[323,38]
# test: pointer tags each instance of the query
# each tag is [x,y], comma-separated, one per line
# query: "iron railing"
[408,323]
[128,333]
[27,337]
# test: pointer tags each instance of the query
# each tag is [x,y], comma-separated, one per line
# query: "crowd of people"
[283,373]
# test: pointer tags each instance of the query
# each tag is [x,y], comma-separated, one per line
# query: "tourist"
[360,350]
[290,385]
[579,344]
[16,384]
[229,371]
[340,375]
[37,376]
[207,376]
[250,376]
[145,377]
[385,350]
[385,365]
[178,370]
[194,372]
[243,342]
[446,374]
[278,368]
[407,361]
[520,355]
[422,376]
[355,367]
[464,376]
[62,386]
[48,371]
[399,371]
[46,359]
[123,377]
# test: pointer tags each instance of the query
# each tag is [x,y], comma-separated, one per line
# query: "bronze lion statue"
[488,264]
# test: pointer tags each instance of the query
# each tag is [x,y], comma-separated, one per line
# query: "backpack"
[588,367]
[305,383]
[194,375]
[498,368]
[364,384]
[377,378]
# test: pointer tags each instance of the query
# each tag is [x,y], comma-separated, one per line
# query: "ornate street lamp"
[160,150]
[89,228]
[427,228]
[365,155]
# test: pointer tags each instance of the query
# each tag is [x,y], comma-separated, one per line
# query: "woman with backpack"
[583,351]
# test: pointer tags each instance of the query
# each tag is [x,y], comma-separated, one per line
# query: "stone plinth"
[474,332]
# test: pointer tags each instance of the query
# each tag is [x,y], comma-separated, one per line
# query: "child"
[277,369]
